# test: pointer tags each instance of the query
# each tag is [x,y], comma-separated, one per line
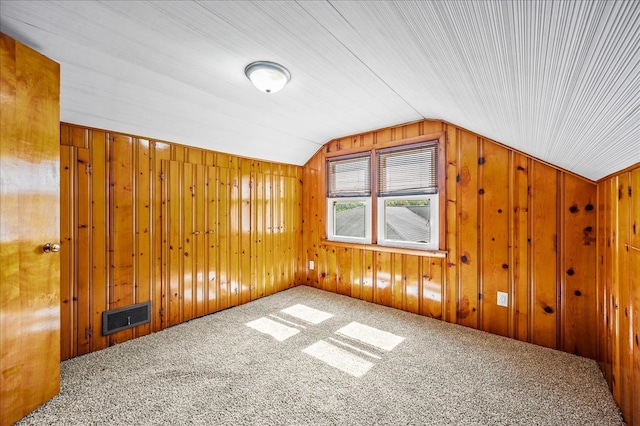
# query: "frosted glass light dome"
[268,77]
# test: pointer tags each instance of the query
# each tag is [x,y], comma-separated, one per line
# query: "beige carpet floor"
[304,356]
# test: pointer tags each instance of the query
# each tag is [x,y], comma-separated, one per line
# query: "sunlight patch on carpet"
[305,313]
[371,336]
[278,331]
[339,358]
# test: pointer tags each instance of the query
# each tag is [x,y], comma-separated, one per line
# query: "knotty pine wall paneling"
[494,166]
[634,289]
[466,242]
[84,236]
[618,292]
[122,219]
[508,226]
[578,267]
[192,231]
[68,339]
[544,256]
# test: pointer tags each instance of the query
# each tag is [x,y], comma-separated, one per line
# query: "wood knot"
[573,209]
[548,309]
[588,207]
[577,293]
[481,191]
[570,272]
[505,266]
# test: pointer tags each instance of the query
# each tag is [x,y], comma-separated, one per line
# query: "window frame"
[439,138]
[434,221]
[367,220]
[356,195]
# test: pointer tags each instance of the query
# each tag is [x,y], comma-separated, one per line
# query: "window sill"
[387,249]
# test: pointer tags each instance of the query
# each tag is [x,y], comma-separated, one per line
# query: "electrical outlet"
[503,299]
[311,265]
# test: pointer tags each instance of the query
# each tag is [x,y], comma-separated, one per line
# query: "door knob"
[51,248]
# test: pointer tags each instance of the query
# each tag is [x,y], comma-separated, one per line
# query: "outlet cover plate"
[503,299]
[311,265]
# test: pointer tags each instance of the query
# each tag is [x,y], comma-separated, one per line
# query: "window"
[405,200]
[407,193]
[349,198]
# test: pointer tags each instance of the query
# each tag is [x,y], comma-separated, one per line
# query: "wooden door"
[29,218]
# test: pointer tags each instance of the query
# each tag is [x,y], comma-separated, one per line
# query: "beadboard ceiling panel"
[559,80]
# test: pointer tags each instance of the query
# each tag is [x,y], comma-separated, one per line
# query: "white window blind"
[408,170]
[349,177]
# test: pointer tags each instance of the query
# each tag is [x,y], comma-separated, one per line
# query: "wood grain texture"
[503,230]
[30,185]
[192,231]
[618,289]
[495,247]
[578,267]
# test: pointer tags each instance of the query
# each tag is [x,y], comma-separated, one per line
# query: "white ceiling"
[559,80]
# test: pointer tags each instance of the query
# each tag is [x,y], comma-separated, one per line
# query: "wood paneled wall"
[512,224]
[193,231]
[618,272]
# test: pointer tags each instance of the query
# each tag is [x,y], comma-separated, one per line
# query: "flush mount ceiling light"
[268,77]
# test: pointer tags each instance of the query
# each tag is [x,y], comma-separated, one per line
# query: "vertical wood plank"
[199,248]
[246,278]
[331,277]
[67,251]
[432,289]
[398,281]
[451,223]
[173,240]
[344,257]
[521,249]
[579,268]
[212,243]
[608,283]
[82,297]
[224,240]
[467,198]
[614,299]
[600,280]
[121,246]
[412,284]
[494,196]
[634,285]
[234,235]
[382,288]
[100,230]
[160,155]
[356,274]
[624,306]
[268,232]
[188,229]
[258,236]
[368,268]
[544,184]
[144,253]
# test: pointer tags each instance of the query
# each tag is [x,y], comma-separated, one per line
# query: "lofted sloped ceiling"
[559,80]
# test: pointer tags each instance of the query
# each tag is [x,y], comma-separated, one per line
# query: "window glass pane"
[349,177]
[408,220]
[349,219]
